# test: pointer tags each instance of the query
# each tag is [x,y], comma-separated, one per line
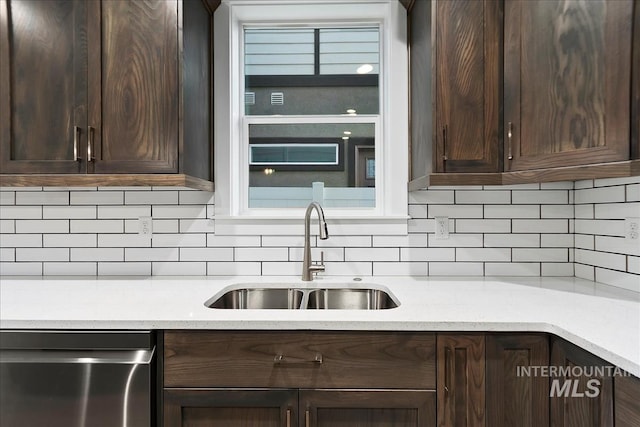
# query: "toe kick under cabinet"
[299,379]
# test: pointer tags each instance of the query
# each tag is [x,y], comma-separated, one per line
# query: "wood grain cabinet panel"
[461,380]
[576,408]
[566,82]
[627,401]
[105,87]
[467,65]
[513,397]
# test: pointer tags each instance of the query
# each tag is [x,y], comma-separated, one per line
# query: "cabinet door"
[567,82]
[468,59]
[43,85]
[516,397]
[461,380]
[133,86]
[627,401]
[230,408]
[574,402]
[367,408]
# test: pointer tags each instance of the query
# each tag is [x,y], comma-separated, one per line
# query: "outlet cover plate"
[442,227]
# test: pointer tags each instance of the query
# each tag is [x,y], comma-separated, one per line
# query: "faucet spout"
[308,268]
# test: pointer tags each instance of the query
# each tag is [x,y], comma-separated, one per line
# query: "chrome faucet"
[309,268]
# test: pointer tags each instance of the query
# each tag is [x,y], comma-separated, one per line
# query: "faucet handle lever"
[321,257]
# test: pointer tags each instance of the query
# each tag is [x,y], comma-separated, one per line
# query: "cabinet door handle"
[90,144]
[445,130]
[281,359]
[447,370]
[76,137]
[509,139]
[307,418]
[288,417]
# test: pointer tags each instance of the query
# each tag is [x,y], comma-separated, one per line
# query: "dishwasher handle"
[115,357]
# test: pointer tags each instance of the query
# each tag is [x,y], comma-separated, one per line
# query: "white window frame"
[232,216]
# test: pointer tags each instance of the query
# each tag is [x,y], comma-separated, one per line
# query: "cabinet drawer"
[299,359]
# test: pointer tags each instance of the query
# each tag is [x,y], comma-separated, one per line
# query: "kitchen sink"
[350,299]
[247,296]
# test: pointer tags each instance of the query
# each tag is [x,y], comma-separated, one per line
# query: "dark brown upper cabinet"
[105,87]
[468,85]
[567,77]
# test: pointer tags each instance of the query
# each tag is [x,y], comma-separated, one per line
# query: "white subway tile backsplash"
[21,241]
[512,269]
[178,240]
[616,181]
[21,212]
[483,226]
[7,198]
[69,212]
[42,226]
[455,211]
[499,197]
[97,254]
[42,254]
[234,268]
[20,269]
[96,226]
[456,269]
[618,278]
[42,198]
[151,254]
[400,268]
[600,195]
[69,240]
[372,254]
[543,254]
[540,226]
[70,268]
[122,212]
[151,197]
[512,240]
[124,269]
[427,254]
[96,198]
[483,254]
[179,268]
[496,230]
[512,211]
[542,197]
[206,254]
[261,254]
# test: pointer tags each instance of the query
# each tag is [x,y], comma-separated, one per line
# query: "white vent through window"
[277,98]
[250,98]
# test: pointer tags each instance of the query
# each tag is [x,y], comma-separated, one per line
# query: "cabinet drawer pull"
[445,130]
[307,418]
[288,417]
[447,370]
[509,139]
[76,137]
[90,144]
[281,359]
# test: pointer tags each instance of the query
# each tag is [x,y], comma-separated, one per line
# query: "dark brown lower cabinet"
[291,408]
[579,400]
[627,401]
[515,395]
[461,380]
[230,408]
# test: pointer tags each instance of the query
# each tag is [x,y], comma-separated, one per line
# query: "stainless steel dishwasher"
[76,378]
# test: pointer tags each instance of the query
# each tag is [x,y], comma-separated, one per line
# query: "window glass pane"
[332,163]
[307,71]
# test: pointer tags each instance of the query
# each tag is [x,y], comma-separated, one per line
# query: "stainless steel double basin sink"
[288,297]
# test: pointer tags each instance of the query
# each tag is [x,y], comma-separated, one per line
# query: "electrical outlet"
[632,229]
[145,226]
[442,227]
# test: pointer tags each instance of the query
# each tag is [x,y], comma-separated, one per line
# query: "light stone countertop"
[601,319]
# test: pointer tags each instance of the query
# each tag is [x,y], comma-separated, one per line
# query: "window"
[311,104]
